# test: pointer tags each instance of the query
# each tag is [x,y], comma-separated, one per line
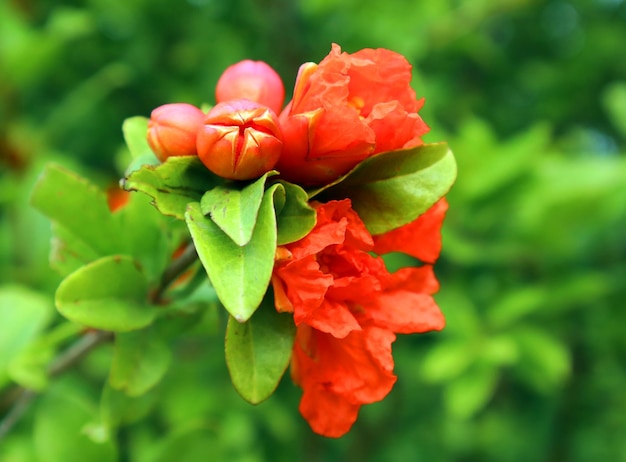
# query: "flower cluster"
[346,305]
[344,110]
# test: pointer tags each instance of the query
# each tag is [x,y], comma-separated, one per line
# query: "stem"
[71,356]
[86,343]
[173,271]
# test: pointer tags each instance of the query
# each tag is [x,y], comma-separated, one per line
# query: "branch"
[92,339]
[71,356]
[175,270]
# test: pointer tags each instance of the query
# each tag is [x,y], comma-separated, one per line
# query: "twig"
[63,362]
[92,339]
[173,271]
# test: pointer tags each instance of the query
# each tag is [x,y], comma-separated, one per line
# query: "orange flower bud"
[172,130]
[240,140]
[252,80]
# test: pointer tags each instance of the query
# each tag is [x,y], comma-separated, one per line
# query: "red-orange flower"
[346,109]
[347,307]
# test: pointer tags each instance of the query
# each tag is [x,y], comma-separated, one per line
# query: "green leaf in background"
[239,274]
[117,408]
[24,314]
[140,359]
[173,184]
[469,393]
[235,211]
[544,362]
[447,360]
[68,252]
[59,429]
[393,188]
[30,367]
[109,294]
[516,305]
[79,207]
[296,217]
[614,100]
[258,351]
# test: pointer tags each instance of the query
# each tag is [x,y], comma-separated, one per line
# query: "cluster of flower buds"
[344,110]
[240,137]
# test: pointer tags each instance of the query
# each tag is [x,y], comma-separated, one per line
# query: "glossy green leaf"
[109,294]
[239,274]
[78,206]
[173,184]
[258,351]
[392,189]
[140,359]
[296,217]
[135,131]
[24,314]
[235,211]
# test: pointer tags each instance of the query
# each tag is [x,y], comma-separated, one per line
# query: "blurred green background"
[530,94]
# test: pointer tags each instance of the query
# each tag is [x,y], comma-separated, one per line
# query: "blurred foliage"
[531,95]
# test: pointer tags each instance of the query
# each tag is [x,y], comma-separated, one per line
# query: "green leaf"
[30,367]
[140,359]
[235,211]
[614,101]
[296,218]
[109,294]
[68,252]
[135,131]
[60,420]
[173,184]
[24,314]
[393,188]
[470,392]
[79,207]
[239,274]
[258,351]
[150,237]
[447,360]
[544,361]
[117,408]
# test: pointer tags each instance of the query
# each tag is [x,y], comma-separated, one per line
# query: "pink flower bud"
[240,140]
[252,80]
[172,130]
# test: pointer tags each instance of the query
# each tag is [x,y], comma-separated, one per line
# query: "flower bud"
[252,80]
[172,130]
[240,140]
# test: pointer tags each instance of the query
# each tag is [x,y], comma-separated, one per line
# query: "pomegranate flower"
[172,130]
[252,80]
[347,108]
[347,308]
[240,140]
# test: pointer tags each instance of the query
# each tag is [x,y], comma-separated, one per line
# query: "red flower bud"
[172,130]
[240,140]
[252,80]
